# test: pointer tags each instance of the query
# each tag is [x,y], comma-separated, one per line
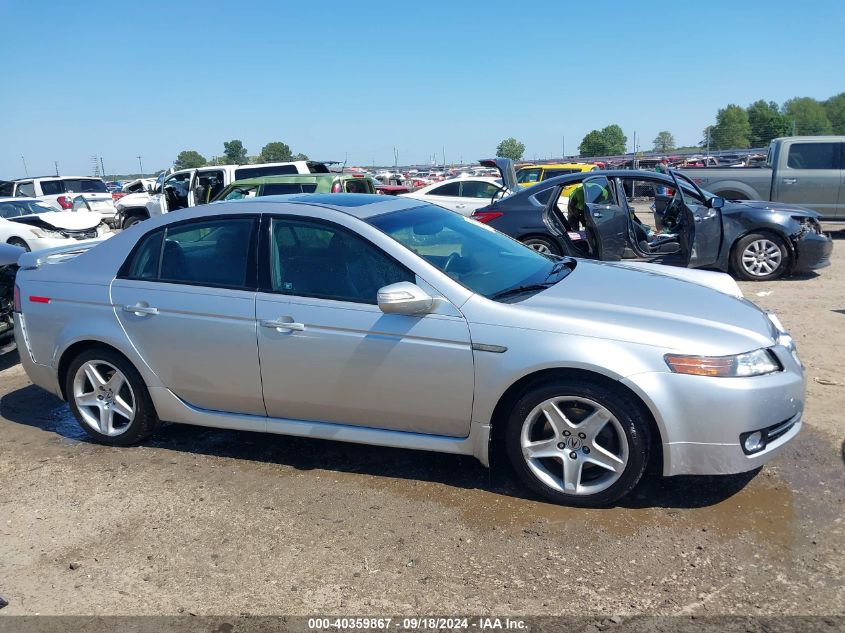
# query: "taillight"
[337,188]
[65,202]
[486,216]
[17,300]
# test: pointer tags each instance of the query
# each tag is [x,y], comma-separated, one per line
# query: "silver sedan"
[393,322]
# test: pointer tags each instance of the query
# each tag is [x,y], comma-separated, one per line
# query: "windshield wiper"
[521,289]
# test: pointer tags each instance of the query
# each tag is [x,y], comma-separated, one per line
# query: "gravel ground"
[211,522]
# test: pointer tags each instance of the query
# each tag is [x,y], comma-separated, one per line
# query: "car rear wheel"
[760,257]
[578,443]
[109,399]
[16,241]
[541,245]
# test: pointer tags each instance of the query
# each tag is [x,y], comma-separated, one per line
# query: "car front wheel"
[578,443]
[760,257]
[109,399]
[16,241]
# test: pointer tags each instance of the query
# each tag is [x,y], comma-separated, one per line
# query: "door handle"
[460,206]
[278,324]
[139,310]
[789,181]
[596,214]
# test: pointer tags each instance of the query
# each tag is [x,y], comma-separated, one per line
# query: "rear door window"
[813,156]
[528,175]
[478,189]
[281,188]
[209,252]
[245,173]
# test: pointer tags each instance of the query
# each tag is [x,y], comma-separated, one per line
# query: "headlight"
[42,232]
[755,363]
[807,224]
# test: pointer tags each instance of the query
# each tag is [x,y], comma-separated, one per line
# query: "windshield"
[17,208]
[476,256]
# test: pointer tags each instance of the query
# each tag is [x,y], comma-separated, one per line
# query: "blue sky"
[337,79]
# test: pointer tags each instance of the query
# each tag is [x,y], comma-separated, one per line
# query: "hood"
[139,199]
[506,169]
[68,220]
[775,206]
[615,301]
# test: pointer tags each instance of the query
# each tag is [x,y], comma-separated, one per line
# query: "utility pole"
[562,146]
[141,166]
[56,163]
[443,149]
[102,167]
[25,170]
[708,140]
[793,127]
[395,157]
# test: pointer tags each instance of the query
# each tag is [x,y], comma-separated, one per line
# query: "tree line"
[735,128]
[234,153]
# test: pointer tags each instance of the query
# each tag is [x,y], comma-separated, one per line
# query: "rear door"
[700,232]
[606,220]
[476,194]
[186,300]
[811,175]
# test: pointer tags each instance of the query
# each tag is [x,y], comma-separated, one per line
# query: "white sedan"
[33,224]
[462,195]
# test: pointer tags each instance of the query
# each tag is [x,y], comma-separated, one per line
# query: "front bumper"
[812,251]
[701,419]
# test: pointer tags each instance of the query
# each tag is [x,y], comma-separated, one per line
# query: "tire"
[16,241]
[564,464]
[132,220]
[760,257]
[541,244]
[90,393]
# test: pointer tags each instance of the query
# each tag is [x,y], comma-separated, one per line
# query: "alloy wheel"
[104,398]
[540,247]
[574,445]
[761,258]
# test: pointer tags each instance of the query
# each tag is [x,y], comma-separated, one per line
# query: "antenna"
[141,166]
[56,163]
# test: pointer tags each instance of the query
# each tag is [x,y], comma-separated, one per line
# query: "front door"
[606,220]
[700,231]
[186,300]
[329,354]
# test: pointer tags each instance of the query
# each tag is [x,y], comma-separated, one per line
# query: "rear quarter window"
[813,156]
[245,173]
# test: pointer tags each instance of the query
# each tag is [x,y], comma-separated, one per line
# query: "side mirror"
[404,298]
[716,202]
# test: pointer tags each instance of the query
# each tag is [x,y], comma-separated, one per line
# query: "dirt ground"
[207,522]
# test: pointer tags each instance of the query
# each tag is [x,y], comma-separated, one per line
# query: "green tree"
[299,156]
[767,122]
[510,148]
[592,144]
[608,141]
[664,142]
[276,152]
[235,152]
[615,139]
[732,129]
[189,159]
[807,116]
[835,108]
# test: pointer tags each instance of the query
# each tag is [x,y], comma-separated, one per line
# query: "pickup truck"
[190,187]
[804,170]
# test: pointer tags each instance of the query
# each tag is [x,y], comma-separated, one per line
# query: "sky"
[354,80]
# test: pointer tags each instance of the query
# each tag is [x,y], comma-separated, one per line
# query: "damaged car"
[752,240]
[33,225]
[8,267]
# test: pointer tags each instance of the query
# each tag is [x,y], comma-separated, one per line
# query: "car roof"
[588,166]
[581,175]
[18,199]
[295,178]
[54,177]
[358,205]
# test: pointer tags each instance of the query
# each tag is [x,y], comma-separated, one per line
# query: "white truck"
[190,187]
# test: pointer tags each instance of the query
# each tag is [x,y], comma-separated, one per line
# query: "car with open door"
[756,241]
